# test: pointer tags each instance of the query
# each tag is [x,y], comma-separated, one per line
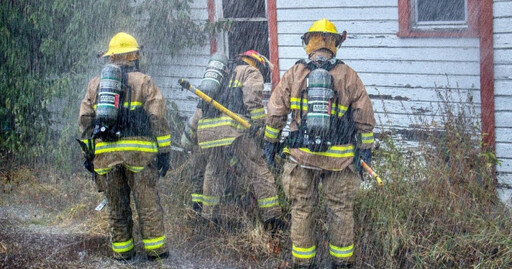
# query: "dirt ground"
[47,221]
[26,244]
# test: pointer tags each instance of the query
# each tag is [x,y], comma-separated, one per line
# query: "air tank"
[109,96]
[214,74]
[318,117]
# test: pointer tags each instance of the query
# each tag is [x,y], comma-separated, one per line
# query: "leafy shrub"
[48,53]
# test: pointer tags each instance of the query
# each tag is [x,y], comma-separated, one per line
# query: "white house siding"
[503,92]
[189,63]
[401,74]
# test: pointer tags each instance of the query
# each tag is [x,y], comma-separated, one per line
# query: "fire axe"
[186,85]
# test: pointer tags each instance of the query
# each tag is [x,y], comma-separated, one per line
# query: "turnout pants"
[339,189]
[244,154]
[118,184]
[197,164]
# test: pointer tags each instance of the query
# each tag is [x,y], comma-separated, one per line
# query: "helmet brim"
[119,51]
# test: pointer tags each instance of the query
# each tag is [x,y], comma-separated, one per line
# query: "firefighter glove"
[89,165]
[366,155]
[186,142]
[362,154]
[270,153]
[256,130]
[163,160]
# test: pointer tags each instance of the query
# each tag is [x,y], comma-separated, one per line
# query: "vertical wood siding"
[503,92]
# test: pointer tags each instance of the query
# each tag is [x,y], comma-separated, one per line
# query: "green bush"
[48,53]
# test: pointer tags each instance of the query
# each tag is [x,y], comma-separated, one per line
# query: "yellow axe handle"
[185,84]
[371,172]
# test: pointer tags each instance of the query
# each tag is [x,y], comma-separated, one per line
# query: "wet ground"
[25,243]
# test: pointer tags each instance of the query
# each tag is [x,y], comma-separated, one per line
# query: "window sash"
[434,25]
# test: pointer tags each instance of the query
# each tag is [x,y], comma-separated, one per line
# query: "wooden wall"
[403,75]
[503,92]
[189,63]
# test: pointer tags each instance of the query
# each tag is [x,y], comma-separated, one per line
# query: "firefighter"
[229,147]
[332,125]
[123,119]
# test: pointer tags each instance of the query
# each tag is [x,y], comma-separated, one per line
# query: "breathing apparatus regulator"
[321,100]
[109,102]
[214,77]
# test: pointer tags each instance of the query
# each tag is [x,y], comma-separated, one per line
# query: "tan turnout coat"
[222,130]
[285,98]
[134,153]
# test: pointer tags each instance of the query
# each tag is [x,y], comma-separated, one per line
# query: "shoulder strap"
[124,120]
[327,65]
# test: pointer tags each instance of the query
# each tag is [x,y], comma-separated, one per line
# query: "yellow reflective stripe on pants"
[154,243]
[334,151]
[196,197]
[102,171]
[217,143]
[121,247]
[211,200]
[163,141]
[271,132]
[303,253]
[367,138]
[268,202]
[134,169]
[126,145]
[257,113]
[341,252]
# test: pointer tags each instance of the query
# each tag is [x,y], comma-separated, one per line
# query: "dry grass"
[437,209]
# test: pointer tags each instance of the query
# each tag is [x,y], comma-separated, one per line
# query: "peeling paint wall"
[402,75]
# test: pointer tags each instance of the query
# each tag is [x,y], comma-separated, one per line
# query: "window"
[249,29]
[438,18]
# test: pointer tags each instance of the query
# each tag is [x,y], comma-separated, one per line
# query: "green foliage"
[47,55]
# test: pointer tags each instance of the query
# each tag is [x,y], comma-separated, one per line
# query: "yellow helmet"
[121,43]
[325,27]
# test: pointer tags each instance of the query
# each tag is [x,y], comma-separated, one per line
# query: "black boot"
[274,224]
[125,257]
[342,265]
[162,256]
[297,266]
[197,207]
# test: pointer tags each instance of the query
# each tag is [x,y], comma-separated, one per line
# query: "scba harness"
[323,121]
[116,115]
